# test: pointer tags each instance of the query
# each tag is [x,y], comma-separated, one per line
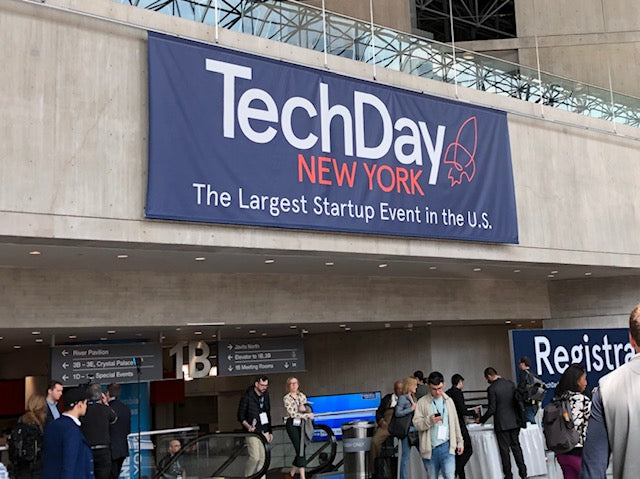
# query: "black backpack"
[25,443]
[559,431]
[535,389]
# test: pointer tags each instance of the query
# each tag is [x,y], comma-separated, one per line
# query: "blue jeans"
[404,459]
[530,413]
[441,460]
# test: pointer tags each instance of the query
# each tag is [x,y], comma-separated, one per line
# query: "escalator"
[225,454]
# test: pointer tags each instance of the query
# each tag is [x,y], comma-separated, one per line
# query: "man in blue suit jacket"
[65,452]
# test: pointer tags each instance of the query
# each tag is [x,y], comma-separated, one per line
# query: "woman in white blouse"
[295,403]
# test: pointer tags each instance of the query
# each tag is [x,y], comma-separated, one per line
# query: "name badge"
[297,421]
[263,418]
[442,433]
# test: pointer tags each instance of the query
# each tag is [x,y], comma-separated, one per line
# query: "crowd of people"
[423,415]
[72,433]
[81,433]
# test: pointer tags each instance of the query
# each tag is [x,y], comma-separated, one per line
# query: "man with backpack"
[530,390]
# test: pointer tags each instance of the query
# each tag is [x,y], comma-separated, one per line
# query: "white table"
[485,461]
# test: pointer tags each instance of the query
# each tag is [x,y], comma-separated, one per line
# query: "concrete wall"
[602,303]
[36,298]
[583,40]
[73,93]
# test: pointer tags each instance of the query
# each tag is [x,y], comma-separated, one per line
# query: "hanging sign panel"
[242,357]
[239,139]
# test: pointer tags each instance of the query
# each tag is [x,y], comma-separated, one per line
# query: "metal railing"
[319,30]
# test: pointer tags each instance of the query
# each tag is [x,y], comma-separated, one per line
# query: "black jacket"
[503,405]
[249,410]
[96,424]
[120,429]
[385,403]
[461,408]
[49,416]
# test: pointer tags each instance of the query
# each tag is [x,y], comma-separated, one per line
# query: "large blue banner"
[552,351]
[240,139]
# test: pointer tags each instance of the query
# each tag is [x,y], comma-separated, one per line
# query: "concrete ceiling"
[56,256]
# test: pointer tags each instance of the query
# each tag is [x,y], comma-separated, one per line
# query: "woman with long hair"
[31,426]
[571,387]
[407,405]
[295,403]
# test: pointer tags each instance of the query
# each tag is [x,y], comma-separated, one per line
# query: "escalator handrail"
[331,441]
[234,455]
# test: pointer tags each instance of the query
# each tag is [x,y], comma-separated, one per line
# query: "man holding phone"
[437,422]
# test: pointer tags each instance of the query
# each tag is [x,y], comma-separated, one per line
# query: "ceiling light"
[551,276]
[218,323]
[1,338]
[383,265]
[252,331]
[72,336]
[101,339]
[516,270]
[178,329]
[214,335]
[587,274]
[238,327]
[387,325]
[35,333]
[200,258]
[554,272]
[347,329]
[343,325]
[16,346]
[433,267]
[410,325]
[293,326]
[477,269]
[35,253]
[122,256]
[329,263]
[508,321]
[533,321]
[429,323]
[111,331]
[39,340]
[269,261]
[263,334]
[197,332]
[305,331]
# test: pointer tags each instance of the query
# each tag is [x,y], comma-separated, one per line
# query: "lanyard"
[435,406]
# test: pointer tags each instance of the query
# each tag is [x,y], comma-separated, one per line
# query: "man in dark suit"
[65,452]
[119,430]
[54,392]
[455,393]
[507,421]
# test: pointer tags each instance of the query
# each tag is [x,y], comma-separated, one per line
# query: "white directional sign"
[106,363]
[242,357]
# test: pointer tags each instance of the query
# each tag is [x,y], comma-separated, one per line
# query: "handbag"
[399,426]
